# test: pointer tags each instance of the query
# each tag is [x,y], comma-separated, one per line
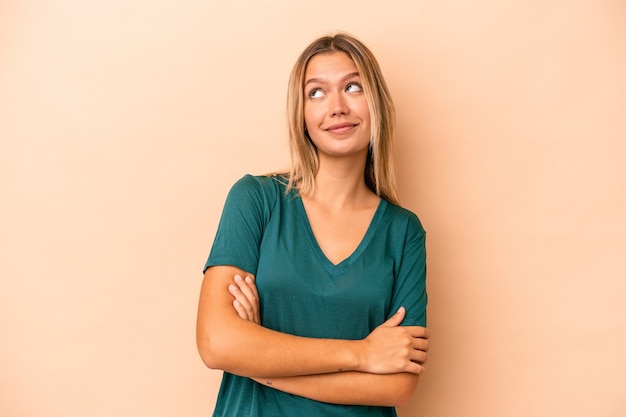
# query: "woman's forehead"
[329,65]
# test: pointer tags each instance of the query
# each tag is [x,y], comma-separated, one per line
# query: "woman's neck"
[341,184]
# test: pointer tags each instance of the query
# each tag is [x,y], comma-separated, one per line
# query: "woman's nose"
[338,105]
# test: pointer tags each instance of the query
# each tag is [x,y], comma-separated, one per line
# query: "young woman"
[314,294]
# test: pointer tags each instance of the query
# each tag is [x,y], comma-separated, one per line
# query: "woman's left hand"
[246,298]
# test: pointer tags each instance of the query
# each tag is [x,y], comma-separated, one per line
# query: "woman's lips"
[341,128]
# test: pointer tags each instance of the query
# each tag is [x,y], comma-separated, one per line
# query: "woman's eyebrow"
[324,81]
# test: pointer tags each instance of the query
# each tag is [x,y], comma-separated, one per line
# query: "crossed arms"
[382,369]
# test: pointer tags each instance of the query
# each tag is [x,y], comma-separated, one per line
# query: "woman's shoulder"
[272,181]
[404,218]
[259,186]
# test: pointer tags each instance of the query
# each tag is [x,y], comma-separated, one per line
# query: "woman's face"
[336,114]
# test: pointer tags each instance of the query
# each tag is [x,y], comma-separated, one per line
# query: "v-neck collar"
[331,268]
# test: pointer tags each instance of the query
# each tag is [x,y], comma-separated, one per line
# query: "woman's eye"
[315,93]
[353,87]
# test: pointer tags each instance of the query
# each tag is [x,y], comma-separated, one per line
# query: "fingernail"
[249,280]
[237,278]
[231,287]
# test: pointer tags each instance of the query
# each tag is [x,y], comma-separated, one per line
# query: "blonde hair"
[379,170]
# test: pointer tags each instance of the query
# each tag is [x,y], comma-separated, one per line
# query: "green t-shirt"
[266,232]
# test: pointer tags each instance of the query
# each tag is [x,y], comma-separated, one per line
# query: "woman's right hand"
[246,298]
[391,348]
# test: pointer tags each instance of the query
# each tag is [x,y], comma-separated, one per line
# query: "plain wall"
[124,123]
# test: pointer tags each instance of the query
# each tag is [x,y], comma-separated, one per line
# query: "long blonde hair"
[379,170]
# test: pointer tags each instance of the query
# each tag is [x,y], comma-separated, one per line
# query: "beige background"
[124,123]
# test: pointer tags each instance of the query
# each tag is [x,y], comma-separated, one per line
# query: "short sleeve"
[410,282]
[241,226]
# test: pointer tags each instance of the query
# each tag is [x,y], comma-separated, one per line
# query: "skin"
[336,114]
[383,368]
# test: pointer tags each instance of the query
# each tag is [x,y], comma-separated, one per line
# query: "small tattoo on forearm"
[268,383]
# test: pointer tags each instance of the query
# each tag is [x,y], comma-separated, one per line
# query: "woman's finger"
[248,296]
[243,306]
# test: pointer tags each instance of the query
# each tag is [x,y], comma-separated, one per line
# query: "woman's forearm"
[250,350]
[349,388]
